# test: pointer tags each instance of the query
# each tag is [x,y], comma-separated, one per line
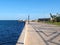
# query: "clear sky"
[20,9]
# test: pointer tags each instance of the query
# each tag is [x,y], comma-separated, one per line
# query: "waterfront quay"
[40,33]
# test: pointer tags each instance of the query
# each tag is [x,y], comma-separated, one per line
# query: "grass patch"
[55,23]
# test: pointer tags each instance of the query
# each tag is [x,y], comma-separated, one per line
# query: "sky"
[20,9]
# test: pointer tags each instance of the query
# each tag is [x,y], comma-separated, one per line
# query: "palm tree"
[53,17]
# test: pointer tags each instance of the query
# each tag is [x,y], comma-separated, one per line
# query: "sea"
[10,30]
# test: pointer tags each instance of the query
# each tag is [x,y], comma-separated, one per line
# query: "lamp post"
[28,19]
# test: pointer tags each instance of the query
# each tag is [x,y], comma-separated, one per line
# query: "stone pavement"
[42,34]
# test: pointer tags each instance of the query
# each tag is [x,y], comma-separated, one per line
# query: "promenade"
[41,34]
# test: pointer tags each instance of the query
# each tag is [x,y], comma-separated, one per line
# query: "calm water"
[10,31]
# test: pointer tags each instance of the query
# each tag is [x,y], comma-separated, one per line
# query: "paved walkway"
[42,34]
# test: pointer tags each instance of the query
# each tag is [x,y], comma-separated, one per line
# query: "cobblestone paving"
[50,34]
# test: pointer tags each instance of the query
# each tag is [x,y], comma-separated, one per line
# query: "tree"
[53,17]
[58,17]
